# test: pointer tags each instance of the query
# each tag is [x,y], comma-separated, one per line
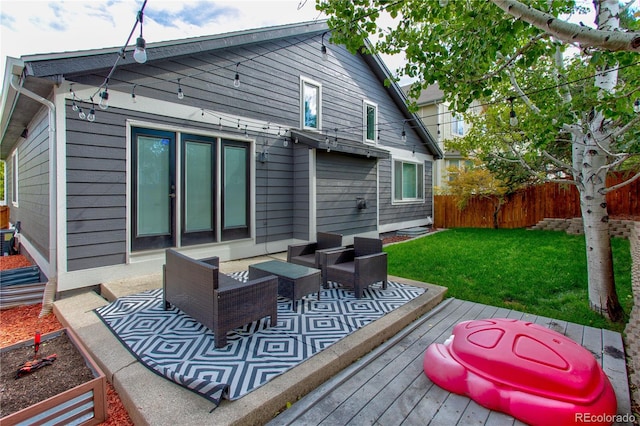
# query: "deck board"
[388,386]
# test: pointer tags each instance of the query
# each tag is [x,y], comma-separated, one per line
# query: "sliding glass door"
[183,204]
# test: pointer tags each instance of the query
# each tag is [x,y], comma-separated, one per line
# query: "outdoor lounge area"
[383,383]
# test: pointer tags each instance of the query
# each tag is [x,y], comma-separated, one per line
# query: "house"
[445,125]
[231,145]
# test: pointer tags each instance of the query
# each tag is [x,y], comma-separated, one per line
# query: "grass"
[539,272]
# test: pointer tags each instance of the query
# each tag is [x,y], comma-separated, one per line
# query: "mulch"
[20,324]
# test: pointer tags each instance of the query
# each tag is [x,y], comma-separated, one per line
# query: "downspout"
[52,284]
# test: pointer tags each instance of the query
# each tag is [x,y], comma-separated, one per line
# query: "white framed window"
[408,181]
[370,121]
[310,104]
[457,125]
[14,178]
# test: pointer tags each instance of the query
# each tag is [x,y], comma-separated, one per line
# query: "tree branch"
[621,184]
[571,33]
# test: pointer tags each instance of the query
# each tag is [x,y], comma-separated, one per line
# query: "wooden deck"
[388,386]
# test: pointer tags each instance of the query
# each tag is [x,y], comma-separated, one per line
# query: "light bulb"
[236,81]
[74,106]
[92,115]
[104,100]
[81,114]
[285,143]
[404,136]
[180,93]
[513,120]
[443,3]
[636,105]
[140,54]
[325,55]
[133,98]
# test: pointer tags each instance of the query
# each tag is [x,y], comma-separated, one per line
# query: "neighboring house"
[444,125]
[186,157]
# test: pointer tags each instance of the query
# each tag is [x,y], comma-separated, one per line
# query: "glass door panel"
[198,177]
[153,189]
[235,191]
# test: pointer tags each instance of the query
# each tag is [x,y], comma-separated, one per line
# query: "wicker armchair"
[214,299]
[358,267]
[309,254]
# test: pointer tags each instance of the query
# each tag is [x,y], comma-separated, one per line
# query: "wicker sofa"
[217,301]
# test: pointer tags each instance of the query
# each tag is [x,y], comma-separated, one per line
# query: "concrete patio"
[153,400]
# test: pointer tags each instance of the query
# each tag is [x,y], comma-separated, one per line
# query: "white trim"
[148,263]
[61,181]
[395,202]
[365,127]
[14,177]
[310,82]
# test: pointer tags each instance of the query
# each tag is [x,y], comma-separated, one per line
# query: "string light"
[180,92]
[133,93]
[404,133]
[104,99]
[513,119]
[636,106]
[92,113]
[81,113]
[140,54]
[236,80]
[323,49]
[285,143]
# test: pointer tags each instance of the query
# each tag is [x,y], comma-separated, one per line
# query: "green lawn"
[539,272]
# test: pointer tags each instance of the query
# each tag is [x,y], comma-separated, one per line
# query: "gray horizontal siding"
[340,180]
[33,187]
[389,213]
[270,91]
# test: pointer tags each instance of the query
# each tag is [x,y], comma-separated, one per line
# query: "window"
[370,122]
[408,181]
[457,125]
[14,178]
[310,104]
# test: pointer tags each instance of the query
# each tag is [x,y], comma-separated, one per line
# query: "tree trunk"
[602,292]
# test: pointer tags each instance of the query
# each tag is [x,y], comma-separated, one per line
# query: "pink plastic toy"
[525,370]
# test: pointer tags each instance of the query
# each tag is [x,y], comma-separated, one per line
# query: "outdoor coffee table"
[294,281]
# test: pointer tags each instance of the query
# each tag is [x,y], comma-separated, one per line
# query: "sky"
[33,27]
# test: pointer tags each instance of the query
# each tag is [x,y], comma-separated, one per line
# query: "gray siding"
[274,192]
[340,180]
[270,92]
[96,186]
[390,213]
[301,198]
[33,187]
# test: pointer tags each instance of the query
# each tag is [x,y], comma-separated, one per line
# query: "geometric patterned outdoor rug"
[177,347]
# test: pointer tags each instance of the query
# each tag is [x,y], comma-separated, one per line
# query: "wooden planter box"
[85,404]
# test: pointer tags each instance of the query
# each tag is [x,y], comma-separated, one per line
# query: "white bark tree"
[508,50]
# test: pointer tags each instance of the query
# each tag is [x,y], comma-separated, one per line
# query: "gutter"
[51,286]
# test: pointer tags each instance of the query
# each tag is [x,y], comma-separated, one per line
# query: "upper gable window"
[457,125]
[310,104]
[370,111]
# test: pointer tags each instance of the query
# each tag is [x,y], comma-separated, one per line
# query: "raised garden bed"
[72,390]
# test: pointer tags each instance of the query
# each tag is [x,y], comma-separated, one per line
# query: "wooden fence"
[530,205]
